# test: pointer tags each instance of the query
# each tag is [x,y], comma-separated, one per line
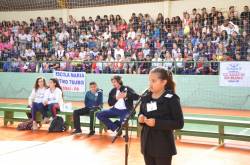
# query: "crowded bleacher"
[193,43]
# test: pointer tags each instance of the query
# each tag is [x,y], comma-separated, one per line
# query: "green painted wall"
[194,90]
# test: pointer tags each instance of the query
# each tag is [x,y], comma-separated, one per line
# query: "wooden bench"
[220,133]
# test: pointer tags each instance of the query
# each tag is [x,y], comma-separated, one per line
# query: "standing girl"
[160,114]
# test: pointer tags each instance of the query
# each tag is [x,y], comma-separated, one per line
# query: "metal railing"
[128,67]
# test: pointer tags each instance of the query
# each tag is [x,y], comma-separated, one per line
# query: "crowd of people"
[193,44]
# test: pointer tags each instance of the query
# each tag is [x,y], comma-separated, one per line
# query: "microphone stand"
[125,125]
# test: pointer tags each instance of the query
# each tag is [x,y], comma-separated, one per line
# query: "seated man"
[121,99]
[93,101]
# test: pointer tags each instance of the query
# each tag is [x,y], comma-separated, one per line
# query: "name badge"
[152,106]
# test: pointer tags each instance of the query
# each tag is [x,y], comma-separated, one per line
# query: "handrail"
[177,67]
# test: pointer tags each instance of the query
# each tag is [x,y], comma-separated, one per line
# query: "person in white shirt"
[143,40]
[29,53]
[63,36]
[22,37]
[60,53]
[175,51]
[119,51]
[168,61]
[233,28]
[179,64]
[99,64]
[53,98]
[82,53]
[109,63]
[36,100]
[121,99]
[156,61]
[146,50]
[131,34]
[107,34]
[225,26]
[38,44]
[29,37]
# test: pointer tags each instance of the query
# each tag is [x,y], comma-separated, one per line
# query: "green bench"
[9,115]
[220,134]
[10,110]
[219,123]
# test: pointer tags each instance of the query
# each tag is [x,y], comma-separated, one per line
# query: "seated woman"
[53,98]
[36,100]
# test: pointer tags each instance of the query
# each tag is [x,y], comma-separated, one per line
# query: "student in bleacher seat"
[93,102]
[36,100]
[53,98]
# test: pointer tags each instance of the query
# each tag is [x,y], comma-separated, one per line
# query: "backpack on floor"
[27,125]
[57,125]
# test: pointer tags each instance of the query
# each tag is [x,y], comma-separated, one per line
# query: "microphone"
[99,90]
[145,92]
[125,90]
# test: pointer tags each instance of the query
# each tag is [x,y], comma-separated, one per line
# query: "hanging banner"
[71,81]
[235,74]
